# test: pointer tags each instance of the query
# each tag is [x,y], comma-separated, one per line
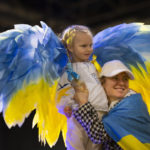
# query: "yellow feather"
[141,84]
[42,98]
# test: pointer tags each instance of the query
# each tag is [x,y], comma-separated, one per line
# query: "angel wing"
[31,61]
[129,43]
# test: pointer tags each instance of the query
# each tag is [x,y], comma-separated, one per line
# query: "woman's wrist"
[82,102]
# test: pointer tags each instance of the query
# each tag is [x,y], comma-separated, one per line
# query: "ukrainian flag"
[128,124]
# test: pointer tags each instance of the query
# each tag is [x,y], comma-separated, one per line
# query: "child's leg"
[76,136]
[92,146]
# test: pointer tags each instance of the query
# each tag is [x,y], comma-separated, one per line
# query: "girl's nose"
[90,49]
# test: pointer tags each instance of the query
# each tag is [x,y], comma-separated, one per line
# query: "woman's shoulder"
[130,92]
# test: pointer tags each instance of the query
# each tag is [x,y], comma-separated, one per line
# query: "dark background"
[58,14]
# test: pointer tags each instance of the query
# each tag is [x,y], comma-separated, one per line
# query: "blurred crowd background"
[58,14]
[97,14]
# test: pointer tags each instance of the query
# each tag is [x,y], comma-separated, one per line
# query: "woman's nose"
[121,82]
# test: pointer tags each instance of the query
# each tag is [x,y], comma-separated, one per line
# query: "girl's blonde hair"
[70,32]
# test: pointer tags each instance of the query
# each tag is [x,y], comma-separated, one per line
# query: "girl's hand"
[68,111]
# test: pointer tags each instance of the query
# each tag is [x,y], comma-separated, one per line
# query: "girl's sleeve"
[87,116]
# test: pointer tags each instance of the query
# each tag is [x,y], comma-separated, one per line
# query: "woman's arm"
[87,116]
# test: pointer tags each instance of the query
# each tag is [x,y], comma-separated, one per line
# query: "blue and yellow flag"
[128,124]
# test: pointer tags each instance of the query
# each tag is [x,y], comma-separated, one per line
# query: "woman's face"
[116,87]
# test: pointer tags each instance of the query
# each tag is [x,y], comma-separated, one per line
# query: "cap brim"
[115,72]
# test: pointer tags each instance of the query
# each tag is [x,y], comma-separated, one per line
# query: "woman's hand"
[81,93]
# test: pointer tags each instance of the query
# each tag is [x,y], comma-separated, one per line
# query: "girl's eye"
[91,45]
[82,45]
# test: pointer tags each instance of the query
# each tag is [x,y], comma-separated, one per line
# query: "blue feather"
[27,54]
[125,42]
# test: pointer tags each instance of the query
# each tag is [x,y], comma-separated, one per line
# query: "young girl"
[78,41]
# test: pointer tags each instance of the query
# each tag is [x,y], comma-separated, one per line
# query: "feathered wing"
[129,43]
[32,59]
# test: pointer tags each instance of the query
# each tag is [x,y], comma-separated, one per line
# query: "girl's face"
[81,47]
[116,87]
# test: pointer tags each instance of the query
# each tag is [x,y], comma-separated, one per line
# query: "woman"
[128,116]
